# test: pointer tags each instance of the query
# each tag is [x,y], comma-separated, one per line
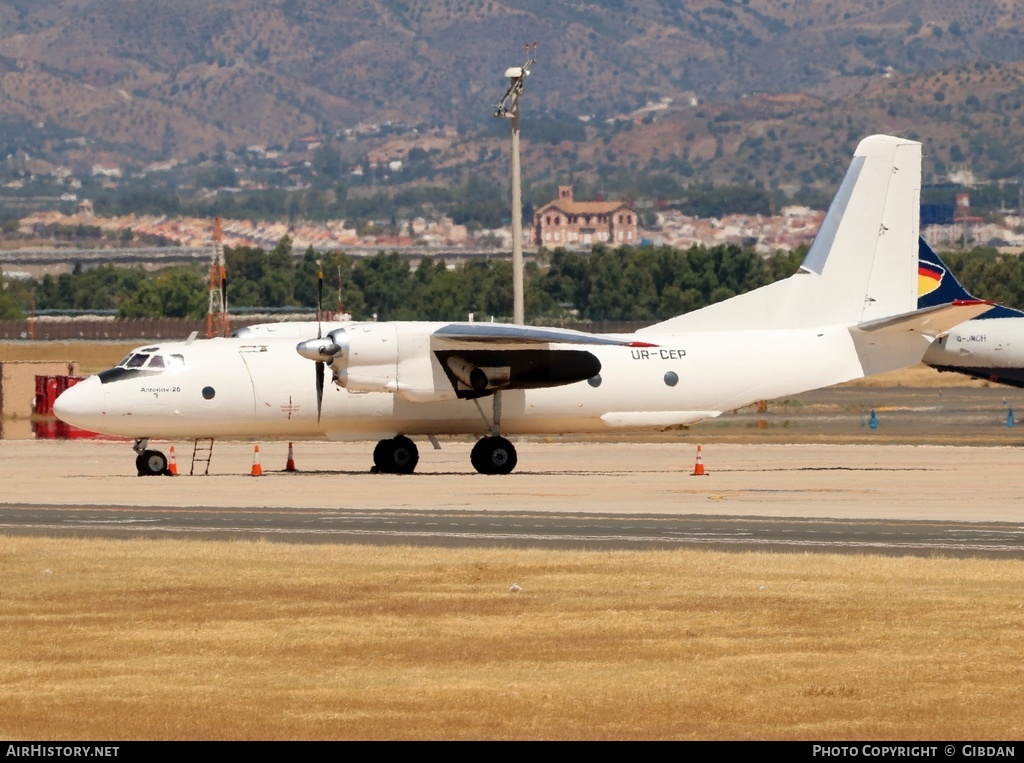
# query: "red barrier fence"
[44,420]
[44,423]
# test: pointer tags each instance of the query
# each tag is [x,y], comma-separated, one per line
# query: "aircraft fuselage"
[260,387]
[990,348]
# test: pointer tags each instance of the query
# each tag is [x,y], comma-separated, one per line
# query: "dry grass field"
[146,639]
[92,357]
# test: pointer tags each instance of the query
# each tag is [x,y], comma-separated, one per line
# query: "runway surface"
[869,498]
[509,529]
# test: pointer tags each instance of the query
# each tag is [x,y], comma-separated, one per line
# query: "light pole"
[508,107]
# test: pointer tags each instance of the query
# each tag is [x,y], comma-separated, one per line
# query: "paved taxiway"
[877,498]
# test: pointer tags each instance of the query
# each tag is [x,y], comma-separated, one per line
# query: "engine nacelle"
[366,358]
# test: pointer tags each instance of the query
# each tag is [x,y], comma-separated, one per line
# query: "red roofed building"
[568,222]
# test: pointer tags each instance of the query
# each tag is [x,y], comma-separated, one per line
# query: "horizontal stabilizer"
[931,321]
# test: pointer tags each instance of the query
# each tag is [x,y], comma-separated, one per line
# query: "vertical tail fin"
[862,265]
[870,240]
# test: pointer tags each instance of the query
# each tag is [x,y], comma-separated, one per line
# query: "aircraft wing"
[931,321]
[503,333]
[479,358]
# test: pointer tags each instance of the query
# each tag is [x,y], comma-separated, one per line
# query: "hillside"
[737,89]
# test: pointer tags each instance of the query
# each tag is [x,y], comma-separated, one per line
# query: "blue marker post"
[873,421]
[1009,418]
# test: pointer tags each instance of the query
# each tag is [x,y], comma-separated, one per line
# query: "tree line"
[604,284]
[647,283]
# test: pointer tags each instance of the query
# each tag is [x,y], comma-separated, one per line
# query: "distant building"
[568,222]
[106,170]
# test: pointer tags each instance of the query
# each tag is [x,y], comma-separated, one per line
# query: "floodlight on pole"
[508,108]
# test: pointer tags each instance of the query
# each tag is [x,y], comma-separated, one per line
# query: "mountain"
[82,80]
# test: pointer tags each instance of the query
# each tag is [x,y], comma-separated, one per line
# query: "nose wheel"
[151,463]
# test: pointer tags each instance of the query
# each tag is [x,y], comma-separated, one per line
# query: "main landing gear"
[490,455]
[494,454]
[149,463]
[398,455]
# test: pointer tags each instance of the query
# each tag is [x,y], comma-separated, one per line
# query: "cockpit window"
[145,362]
[149,361]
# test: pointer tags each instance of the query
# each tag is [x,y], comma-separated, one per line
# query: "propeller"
[322,350]
[319,335]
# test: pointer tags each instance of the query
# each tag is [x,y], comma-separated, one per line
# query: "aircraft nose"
[80,405]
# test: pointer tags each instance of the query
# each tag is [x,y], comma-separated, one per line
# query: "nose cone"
[317,349]
[82,404]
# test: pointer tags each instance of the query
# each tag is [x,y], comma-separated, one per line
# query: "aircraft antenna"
[508,108]
[217,312]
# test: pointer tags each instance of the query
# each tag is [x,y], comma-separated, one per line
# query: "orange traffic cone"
[172,468]
[698,468]
[257,470]
[290,465]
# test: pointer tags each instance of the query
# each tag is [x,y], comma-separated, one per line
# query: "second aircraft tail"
[936,285]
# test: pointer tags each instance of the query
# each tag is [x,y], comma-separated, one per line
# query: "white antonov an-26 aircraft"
[850,311]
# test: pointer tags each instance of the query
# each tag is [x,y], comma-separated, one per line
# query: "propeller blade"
[319,388]
[319,302]
[224,300]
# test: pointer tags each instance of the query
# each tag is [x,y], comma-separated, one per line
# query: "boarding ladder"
[202,453]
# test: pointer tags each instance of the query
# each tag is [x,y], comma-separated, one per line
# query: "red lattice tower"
[217,313]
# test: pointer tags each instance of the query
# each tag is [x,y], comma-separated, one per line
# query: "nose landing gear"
[149,463]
